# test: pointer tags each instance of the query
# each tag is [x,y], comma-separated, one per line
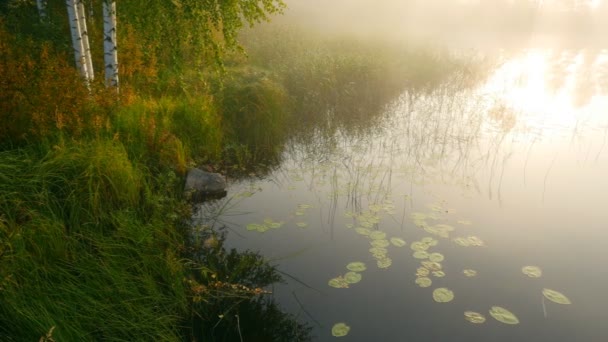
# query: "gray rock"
[205,183]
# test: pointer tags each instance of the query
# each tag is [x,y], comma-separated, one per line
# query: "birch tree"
[109,43]
[42,7]
[77,39]
[82,20]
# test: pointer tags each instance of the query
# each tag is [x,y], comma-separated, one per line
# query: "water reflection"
[520,160]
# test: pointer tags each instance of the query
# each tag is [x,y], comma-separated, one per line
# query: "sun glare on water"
[548,89]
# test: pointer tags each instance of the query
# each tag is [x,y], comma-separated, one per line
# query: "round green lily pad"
[431,265]
[352,277]
[340,330]
[397,242]
[338,282]
[469,272]
[556,297]
[436,257]
[420,255]
[424,281]
[380,243]
[532,271]
[474,317]
[439,274]
[422,272]
[443,295]
[377,235]
[385,262]
[302,224]
[419,246]
[356,266]
[253,226]
[378,251]
[503,315]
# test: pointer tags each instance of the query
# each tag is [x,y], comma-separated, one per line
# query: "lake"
[452,189]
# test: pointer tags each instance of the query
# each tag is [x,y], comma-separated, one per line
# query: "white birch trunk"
[109,43]
[77,43]
[42,4]
[82,20]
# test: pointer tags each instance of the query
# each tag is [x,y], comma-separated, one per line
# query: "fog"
[459,22]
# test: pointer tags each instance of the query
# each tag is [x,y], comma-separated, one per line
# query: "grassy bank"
[95,243]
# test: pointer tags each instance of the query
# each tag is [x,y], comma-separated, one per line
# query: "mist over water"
[465,23]
[495,174]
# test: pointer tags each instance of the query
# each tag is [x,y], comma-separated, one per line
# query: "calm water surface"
[520,163]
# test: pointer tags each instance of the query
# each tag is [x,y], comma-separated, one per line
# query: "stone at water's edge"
[205,183]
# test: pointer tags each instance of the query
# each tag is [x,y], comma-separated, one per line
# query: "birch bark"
[82,20]
[77,43]
[42,5]
[110,49]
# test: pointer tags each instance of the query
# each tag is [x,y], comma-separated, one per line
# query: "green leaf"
[356,266]
[352,277]
[474,317]
[556,297]
[380,243]
[532,271]
[377,235]
[443,295]
[469,272]
[424,281]
[420,255]
[338,282]
[436,257]
[384,262]
[340,330]
[397,242]
[503,315]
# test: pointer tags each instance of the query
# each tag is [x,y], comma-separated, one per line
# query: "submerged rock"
[203,184]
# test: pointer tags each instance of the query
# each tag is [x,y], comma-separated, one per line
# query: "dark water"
[520,163]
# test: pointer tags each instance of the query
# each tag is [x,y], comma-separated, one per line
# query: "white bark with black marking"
[82,20]
[109,43]
[42,5]
[77,42]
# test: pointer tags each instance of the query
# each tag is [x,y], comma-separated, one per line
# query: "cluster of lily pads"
[430,262]
[365,222]
[353,276]
[265,226]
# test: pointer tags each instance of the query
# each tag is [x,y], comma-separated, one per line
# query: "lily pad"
[422,272]
[465,223]
[469,272]
[340,330]
[302,224]
[352,277]
[424,281]
[503,315]
[420,255]
[338,282]
[436,257]
[397,242]
[431,265]
[556,297]
[377,235]
[380,243]
[254,226]
[419,246]
[439,274]
[532,271]
[385,262]
[378,251]
[356,266]
[474,317]
[443,295]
